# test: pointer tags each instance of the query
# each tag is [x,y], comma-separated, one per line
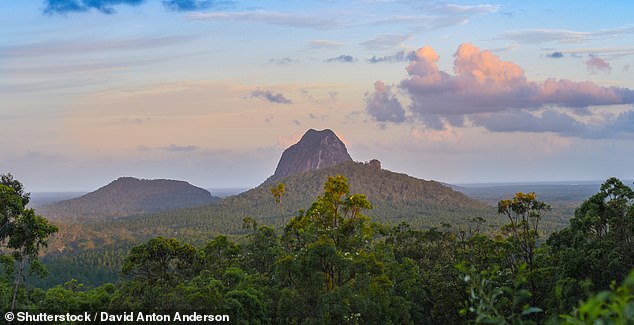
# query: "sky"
[212,92]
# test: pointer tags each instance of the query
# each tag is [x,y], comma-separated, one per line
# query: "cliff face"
[315,150]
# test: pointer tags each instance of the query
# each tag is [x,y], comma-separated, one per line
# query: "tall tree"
[596,248]
[29,233]
[524,212]
[21,230]
[330,259]
[8,180]
[278,192]
[160,260]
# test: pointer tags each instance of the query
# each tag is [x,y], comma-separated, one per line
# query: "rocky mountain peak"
[315,150]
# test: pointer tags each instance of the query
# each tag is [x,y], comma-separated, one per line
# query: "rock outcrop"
[315,150]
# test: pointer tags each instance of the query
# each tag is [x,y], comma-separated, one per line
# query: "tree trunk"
[17,282]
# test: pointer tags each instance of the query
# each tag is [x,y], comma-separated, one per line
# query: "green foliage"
[91,267]
[220,254]
[73,296]
[614,306]
[11,205]
[16,186]
[331,264]
[597,247]
[496,303]
[160,260]
[278,192]
[262,250]
[395,198]
[22,231]
[524,212]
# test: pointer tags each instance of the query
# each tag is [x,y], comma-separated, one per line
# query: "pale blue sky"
[211,92]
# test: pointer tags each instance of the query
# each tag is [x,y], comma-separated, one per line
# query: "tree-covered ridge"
[129,196]
[395,197]
[331,264]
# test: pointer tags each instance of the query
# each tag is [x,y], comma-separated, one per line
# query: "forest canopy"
[331,264]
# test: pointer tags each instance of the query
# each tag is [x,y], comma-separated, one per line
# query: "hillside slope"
[129,196]
[395,197]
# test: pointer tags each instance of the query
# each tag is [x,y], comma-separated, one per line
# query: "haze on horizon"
[212,92]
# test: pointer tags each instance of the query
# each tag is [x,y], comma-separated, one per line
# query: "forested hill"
[128,196]
[395,198]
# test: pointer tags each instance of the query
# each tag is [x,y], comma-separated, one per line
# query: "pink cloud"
[382,105]
[485,67]
[597,64]
[484,87]
[484,83]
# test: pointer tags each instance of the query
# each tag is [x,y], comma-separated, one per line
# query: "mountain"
[315,150]
[129,196]
[304,168]
[395,198]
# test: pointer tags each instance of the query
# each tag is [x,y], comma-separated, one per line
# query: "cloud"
[282,61]
[448,135]
[170,148]
[484,83]
[269,96]
[107,6]
[456,9]
[323,43]
[425,23]
[623,121]
[67,47]
[342,58]
[537,36]
[400,56]
[385,41]
[132,120]
[176,148]
[605,52]
[523,121]
[495,94]
[268,17]
[103,6]
[190,5]
[596,64]
[555,55]
[382,105]
[602,53]
[438,15]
